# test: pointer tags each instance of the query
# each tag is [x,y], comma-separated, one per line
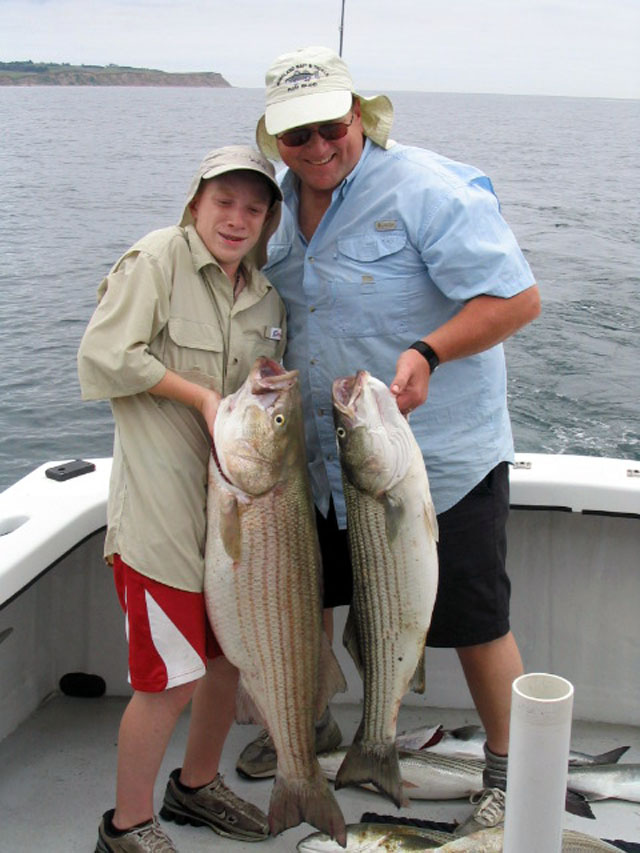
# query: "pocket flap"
[194,335]
[370,247]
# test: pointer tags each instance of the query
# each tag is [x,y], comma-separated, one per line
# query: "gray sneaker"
[215,806]
[146,838]
[489,811]
[258,759]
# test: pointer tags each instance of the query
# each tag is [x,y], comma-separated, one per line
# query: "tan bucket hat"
[314,85]
[234,158]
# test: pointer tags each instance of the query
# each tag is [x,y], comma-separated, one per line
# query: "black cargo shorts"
[472,605]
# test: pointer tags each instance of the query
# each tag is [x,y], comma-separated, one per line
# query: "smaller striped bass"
[392,529]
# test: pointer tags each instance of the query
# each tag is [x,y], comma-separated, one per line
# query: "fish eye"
[341,432]
[279,420]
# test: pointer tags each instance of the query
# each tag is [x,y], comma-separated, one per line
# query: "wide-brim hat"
[235,158]
[314,85]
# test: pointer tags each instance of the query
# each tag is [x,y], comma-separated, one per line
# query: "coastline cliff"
[54,74]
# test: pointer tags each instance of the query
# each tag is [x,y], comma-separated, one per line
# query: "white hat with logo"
[314,85]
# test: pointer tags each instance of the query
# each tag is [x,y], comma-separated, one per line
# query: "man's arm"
[483,322]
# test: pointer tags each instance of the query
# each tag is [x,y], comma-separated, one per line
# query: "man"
[398,260]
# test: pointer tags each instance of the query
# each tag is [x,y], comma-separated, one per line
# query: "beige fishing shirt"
[166,304]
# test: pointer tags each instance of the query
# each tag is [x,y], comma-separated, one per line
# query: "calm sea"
[84,172]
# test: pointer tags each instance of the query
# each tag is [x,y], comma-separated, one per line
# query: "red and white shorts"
[169,635]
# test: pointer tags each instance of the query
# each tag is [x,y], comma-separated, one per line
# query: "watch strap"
[427,352]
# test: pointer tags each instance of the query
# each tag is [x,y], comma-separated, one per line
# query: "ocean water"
[84,172]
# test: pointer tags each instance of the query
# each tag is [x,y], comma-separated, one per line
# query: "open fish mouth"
[346,391]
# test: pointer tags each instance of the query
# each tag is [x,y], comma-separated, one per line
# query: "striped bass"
[425,775]
[392,531]
[468,742]
[262,586]
[606,781]
[389,838]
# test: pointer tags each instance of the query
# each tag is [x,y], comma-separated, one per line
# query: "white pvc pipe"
[539,743]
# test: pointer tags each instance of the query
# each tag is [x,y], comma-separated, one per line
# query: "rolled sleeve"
[114,358]
[470,250]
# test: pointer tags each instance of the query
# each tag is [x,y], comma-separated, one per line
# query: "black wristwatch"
[428,353]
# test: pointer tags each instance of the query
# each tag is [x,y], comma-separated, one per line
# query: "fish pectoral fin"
[331,679]
[246,709]
[577,804]
[351,643]
[230,533]
[430,516]
[418,682]
[394,512]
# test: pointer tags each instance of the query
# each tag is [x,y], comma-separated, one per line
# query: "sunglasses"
[332,131]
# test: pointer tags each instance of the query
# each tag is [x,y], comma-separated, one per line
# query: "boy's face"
[229,213]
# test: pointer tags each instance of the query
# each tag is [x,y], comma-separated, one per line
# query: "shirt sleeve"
[114,359]
[470,250]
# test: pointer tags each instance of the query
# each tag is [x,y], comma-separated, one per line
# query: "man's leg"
[490,670]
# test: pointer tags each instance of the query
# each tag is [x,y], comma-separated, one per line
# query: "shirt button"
[312,308]
[311,260]
[321,412]
[312,361]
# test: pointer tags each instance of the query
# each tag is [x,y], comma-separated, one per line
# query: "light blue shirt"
[409,237]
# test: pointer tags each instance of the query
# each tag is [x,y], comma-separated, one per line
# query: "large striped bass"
[392,531]
[262,586]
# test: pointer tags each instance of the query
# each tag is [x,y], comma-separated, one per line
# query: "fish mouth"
[269,377]
[346,391]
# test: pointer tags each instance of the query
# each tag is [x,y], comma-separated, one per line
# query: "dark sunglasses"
[301,135]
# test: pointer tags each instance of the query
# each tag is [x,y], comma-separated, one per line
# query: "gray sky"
[549,47]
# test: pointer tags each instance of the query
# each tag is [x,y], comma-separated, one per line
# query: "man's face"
[229,213]
[323,164]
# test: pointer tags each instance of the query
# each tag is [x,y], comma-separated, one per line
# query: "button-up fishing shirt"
[167,304]
[408,238]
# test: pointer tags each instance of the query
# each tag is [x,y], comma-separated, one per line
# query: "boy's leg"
[212,713]
[145,729]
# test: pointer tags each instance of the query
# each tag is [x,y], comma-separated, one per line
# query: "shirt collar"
[202,257]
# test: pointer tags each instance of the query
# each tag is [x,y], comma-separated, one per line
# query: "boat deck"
[58,772]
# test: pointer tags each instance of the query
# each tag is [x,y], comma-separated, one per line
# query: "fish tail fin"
[376,764]
[310,800]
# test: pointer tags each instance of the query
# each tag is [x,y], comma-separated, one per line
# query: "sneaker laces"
[490,802]
[154,838]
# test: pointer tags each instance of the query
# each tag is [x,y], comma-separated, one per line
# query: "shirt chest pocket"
[370,297]
[194,350]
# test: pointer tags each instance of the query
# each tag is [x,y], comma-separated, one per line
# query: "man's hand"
[410,385]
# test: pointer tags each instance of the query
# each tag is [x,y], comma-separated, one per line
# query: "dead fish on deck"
[392,530]
[606,781]
[379,837]
[262,585]
[491,841]
[468,742]
[429,776]
[425,775]
[376,838]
